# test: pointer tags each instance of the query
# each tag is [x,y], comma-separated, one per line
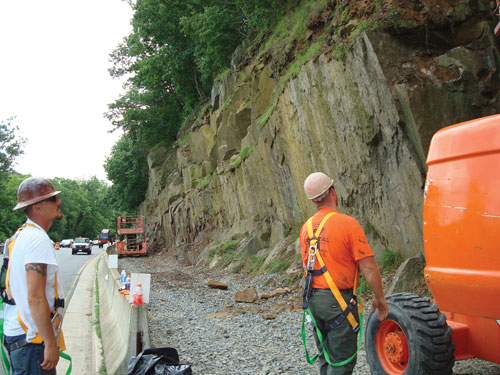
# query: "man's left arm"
[36,277]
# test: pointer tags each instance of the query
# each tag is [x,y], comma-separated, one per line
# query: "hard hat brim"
[34,200]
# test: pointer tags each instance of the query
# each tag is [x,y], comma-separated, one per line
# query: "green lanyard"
[67,357]
[320,337]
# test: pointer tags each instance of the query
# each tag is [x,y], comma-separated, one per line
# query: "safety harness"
[56,318]
[308,290]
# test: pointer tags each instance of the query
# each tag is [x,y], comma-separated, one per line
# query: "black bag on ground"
[157,361]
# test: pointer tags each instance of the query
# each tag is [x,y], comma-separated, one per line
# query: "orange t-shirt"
[342,243]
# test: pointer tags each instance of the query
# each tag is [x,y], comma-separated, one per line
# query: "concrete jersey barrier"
[124,326]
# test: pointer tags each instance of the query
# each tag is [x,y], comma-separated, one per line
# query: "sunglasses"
[51,199]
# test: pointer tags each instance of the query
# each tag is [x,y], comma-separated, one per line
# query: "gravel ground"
[237,340]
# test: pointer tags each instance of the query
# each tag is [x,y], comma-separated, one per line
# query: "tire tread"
[432,334]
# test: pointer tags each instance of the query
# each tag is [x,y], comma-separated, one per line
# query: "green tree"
[10,144]
[86,207]
[10,220]
[10,147]
[170,59]
[127,168]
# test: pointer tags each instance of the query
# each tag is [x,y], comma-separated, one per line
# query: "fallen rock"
[248,295]
[217,285]
[269,316]
[283,308]
[275,293]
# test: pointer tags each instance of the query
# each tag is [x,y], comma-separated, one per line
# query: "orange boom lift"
[462,252]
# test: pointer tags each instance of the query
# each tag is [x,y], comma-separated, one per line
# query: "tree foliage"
[127,168]
[170,59]
[87,208]
[10,220]
[10,144]
[10,147]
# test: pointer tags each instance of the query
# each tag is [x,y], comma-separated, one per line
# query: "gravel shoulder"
[218,336]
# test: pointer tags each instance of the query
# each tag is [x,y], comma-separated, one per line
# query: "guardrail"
[124,326]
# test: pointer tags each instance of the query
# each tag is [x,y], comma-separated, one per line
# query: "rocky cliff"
[359,103]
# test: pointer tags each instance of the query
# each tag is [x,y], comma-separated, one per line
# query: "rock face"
[366,120]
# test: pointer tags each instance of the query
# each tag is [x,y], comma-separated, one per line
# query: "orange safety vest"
[56,317]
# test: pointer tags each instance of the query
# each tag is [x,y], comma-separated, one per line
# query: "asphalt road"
[71,264]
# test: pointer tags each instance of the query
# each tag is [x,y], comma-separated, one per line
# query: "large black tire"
[413,340]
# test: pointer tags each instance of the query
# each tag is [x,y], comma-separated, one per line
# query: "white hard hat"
[316,184]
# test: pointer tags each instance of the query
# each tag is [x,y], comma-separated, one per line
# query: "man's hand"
[50,357]
[383,309]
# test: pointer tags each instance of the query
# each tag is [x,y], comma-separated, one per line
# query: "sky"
[54,61]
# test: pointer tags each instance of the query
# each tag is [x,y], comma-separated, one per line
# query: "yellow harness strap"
[12,241]
[57,318]
[313,247]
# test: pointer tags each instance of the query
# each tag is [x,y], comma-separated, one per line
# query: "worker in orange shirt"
[333,246]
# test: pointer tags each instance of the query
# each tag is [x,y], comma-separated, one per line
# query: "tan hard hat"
[316,184]
[34,190]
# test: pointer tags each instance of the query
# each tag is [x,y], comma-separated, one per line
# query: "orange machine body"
[131,229]
[462,233]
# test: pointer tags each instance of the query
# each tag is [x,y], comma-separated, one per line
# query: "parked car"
[66,243]
[81,245]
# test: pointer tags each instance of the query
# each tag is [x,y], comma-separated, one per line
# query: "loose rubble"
[219,336]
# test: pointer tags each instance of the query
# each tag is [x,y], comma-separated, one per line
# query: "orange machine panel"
[462,224]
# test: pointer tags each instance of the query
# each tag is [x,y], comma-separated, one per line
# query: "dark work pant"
[27,359]
[341,342]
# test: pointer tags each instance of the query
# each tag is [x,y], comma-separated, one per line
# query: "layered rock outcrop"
[237,171]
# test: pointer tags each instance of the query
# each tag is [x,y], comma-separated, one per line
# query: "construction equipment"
[461,240]
[104,238]
[130,230]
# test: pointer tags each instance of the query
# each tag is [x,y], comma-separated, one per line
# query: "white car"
[66,243]
[81,244]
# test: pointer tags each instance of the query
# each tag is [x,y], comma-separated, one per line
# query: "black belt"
[16,345]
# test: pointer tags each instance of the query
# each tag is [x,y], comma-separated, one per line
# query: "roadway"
[71,264]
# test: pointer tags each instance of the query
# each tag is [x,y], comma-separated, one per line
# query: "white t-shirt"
[32,245]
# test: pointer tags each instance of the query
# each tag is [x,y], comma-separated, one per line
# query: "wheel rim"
[392,347]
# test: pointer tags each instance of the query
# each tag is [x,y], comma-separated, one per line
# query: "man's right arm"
[372,276]
[36,276]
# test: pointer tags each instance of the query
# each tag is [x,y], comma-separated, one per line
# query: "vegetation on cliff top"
[178,49]
[171,58]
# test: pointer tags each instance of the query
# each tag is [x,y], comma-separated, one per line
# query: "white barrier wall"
[124,327]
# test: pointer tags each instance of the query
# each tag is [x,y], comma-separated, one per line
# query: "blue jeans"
[27,359]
